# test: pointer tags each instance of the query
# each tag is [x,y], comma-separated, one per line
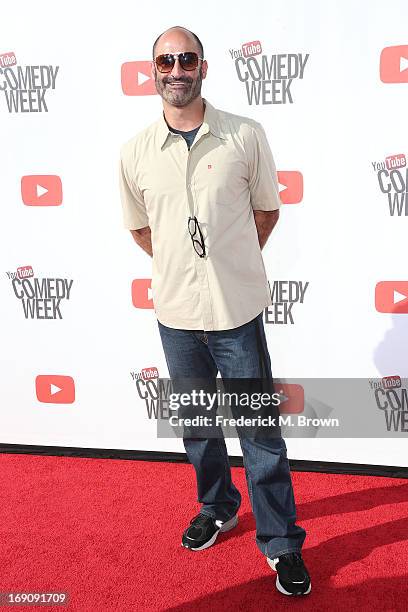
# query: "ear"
[204,68]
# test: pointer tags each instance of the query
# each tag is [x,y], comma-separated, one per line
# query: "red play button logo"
[142,293]
[394,64]
[55,389]
[392,297]
[136,78]
[41,190]
[292,397]
[290,186]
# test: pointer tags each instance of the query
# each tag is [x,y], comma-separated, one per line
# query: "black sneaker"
[203,531]
[293,577]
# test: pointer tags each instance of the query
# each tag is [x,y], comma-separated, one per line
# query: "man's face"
[178,87]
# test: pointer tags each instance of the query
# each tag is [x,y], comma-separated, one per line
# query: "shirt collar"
[210,124]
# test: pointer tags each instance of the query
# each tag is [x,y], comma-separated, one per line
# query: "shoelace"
[293,558]
[200,519]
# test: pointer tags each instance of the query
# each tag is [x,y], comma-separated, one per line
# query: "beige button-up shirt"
[228,172]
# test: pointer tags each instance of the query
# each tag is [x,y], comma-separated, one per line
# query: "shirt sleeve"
[133,206]
[263,178]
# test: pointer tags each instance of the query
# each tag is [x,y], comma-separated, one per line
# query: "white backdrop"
[341,237]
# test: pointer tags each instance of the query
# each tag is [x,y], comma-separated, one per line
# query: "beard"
[178,96]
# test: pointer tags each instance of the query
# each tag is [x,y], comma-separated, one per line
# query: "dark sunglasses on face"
[188,61]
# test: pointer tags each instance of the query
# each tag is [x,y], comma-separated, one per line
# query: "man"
[200,195]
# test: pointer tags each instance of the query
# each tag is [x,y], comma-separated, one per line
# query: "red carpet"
[108,532]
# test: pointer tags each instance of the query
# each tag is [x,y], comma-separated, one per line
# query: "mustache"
[186,80]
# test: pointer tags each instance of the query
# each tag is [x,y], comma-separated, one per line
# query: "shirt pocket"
[221,183]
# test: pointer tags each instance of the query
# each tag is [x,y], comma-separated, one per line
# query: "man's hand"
[265,221]
[143,238]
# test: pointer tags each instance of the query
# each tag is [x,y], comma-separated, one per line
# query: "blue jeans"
[237,353]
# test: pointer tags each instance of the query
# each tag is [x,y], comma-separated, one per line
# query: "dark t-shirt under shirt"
[188,136]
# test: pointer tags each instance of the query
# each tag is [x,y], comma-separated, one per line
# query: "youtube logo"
[292,397]
[136,79]
[142,293]
[391,382]
[149,373]
[41,190]
[392,297]
[55,389]
[290,186]
[394,64]
[8,59]
[251,48]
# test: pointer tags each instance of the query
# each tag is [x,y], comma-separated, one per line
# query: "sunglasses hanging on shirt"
[198,244]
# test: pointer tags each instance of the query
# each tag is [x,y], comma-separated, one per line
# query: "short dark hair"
[197,40]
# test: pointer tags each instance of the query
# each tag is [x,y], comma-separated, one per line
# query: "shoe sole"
[280,588]
[227,526]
